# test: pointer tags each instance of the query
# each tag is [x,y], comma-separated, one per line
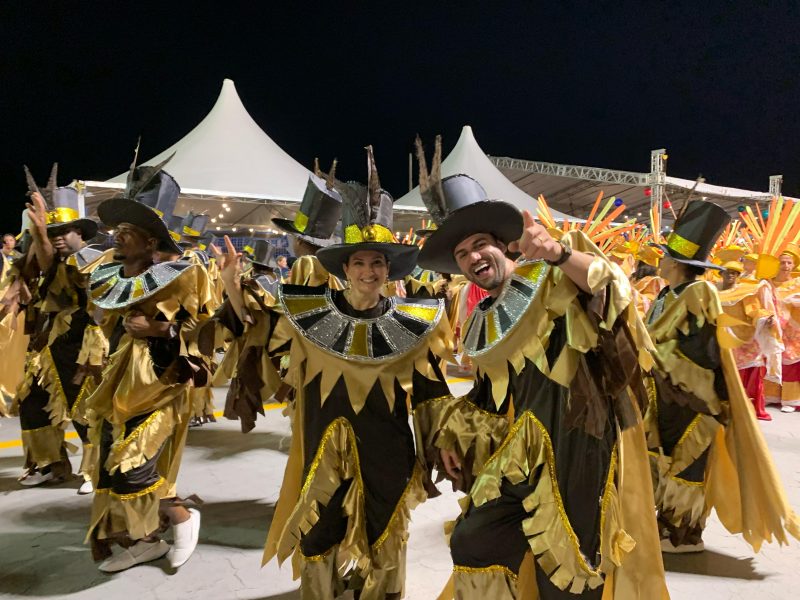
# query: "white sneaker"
[186,536]
[86,488]
[787,409]
[140,552]
[668,548]
[37,478]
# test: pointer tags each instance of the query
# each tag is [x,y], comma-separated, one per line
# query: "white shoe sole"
[178,556]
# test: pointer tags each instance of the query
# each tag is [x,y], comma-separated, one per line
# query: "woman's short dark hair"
[692,271]
[643,270]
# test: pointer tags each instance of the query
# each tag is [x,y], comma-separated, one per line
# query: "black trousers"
[134,480]
[492,534]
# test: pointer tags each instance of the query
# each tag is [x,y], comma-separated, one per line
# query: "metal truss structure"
[573,171]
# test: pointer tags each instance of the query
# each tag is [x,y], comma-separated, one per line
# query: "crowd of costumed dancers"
[618,374]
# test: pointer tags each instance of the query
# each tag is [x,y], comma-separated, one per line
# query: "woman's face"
[367,271]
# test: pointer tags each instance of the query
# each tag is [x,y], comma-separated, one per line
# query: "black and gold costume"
[65,346]
[706,449]
[551,441]
[353,473]
[141,409]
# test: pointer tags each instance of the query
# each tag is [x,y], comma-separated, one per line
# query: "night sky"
[597,84]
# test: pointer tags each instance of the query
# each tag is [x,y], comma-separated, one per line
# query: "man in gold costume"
[65,344]
[552,423]
[706,448]
[141,409]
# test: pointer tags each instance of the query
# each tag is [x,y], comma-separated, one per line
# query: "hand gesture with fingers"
[231,269]
[217,255]
[536,242]
[37,212]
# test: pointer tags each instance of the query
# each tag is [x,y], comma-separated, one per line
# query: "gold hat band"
[190,231]
[62,214]
[681,245]
[353,234]
[300,221]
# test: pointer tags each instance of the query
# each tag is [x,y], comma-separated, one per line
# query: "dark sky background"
[596,83]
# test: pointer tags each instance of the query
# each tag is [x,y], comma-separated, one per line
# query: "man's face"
[729,278]
[786,263]
[9,242]
[282,262]
[749,265]
[482,260]
[66,241]
[132,243]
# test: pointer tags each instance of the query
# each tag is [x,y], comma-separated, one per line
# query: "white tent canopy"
[230,155]
[229,168]
[468,158]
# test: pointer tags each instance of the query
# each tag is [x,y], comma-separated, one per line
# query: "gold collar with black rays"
[312,312]
[84,256]
[109,289]
[488,327]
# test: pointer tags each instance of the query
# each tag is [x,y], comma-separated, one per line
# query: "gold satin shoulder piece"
[554,296]
[307,270]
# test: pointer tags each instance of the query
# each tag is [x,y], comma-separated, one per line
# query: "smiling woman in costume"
[359,363]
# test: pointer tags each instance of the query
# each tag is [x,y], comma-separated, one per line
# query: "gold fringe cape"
[742,483]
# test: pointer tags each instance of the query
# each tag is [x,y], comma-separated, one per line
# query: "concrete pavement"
[238,476]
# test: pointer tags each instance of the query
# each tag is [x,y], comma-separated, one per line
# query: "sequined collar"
[312,312]
[110,290]
[84,256]
[267,283]
[487,327]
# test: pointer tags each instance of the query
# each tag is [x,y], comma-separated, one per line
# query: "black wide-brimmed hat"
[63,206]
[367,219]
[460,208]
[320,209]
[148,202]
[695,232]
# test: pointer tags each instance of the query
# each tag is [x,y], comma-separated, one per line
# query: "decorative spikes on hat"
[373,185]
[49,191]
[330,177]
[770,236]
[430,184]
[599,227]
[139,178]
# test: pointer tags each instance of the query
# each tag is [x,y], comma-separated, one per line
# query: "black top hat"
[695,232]
[148,202]
[367,222]
[194,226]
[261,253]
[460,208]
[320,210]
[63,206]
[205,241]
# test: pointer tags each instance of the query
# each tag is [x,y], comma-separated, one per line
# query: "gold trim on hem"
[490,569]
